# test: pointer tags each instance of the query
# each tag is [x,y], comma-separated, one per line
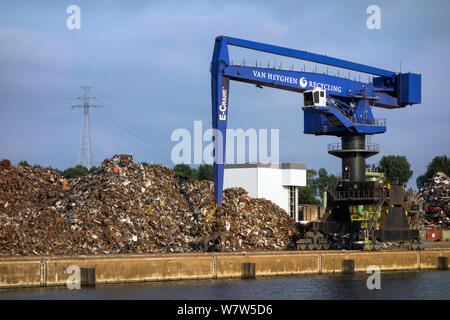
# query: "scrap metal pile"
[126,207]
[436,203]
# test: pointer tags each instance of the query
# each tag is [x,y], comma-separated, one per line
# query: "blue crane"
[345,110]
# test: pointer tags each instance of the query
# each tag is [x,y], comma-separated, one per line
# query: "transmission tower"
[85,146]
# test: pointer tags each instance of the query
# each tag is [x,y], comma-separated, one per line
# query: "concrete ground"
[437,245]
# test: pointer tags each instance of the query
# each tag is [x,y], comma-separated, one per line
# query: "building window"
[292,202]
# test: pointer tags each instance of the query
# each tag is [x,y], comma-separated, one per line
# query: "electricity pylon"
[86,146]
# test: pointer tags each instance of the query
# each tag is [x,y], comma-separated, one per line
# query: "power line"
[131,141]
[130,131]
[157,140]
[25,108]
[151,131]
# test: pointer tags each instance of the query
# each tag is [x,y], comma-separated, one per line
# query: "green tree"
[184,170]
[75,172]
[205,172]
[396,168]
[324,180]
[307,195]
[24,163]
[438,164]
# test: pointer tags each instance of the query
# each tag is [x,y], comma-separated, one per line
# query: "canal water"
[394,285]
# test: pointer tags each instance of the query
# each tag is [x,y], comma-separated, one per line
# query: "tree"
[75,172]
[184,170]
[438,164]
[324,180]
[93,169]
[24,163]
[396,168]
[205,172]
[307,195]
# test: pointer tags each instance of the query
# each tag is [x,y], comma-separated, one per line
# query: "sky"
[148,63]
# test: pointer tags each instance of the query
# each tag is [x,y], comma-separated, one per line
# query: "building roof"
[274,165]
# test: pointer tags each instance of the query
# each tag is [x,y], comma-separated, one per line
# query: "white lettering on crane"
[259,74]
[303,82]
[223,106]
[325,86]
[282,78]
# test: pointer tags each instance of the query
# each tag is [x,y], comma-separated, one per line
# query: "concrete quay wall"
[52,271]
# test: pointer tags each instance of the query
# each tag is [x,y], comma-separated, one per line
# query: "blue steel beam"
[219,93]
[307,56]
[299,81]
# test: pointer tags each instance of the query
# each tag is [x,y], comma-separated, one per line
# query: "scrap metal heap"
[435,203]
[125,207]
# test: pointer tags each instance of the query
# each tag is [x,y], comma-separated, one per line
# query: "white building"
[277,182]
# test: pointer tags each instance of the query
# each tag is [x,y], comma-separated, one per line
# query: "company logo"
[223,106]
[303,82]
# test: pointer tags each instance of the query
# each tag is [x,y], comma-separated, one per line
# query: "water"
[394,285]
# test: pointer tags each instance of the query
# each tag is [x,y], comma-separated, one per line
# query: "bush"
[75,172]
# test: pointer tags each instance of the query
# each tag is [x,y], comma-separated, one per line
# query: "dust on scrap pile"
[125,207]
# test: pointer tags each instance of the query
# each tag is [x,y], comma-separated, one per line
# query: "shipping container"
[434,235]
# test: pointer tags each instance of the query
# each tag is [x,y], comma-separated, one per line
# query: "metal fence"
[353,146]
[357,195]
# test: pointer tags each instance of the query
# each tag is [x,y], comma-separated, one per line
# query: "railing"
[352,146]
[356,195]
[374,122]
[337,105]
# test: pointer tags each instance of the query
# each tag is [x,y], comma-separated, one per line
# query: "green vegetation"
[203,172]
[184,170]
[438,164]
[396,168]
[75,172]
[316,182]
[24,164]
[324,180]
[308,194]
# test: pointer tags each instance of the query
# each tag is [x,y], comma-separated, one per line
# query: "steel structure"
[85,158]
[334,106]
[348,113]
